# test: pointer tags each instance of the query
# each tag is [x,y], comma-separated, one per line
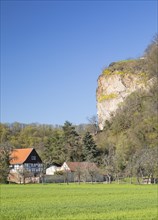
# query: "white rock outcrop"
[112,90]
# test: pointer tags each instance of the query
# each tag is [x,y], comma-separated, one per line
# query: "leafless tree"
[78,173]
[93,124]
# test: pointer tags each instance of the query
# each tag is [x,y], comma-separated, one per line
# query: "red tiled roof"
[80,165]
[20,155]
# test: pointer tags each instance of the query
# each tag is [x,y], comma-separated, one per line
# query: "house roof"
[81,165]
[20,155]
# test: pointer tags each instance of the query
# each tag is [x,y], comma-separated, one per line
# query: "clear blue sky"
[52,53]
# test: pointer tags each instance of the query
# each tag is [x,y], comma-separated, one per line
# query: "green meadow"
[79,202]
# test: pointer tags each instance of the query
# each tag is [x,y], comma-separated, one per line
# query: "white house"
[52,169]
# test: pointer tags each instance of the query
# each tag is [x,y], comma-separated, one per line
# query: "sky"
[52,53]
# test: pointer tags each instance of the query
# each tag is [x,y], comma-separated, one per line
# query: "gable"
[65,166]
[20,156]
[33,157]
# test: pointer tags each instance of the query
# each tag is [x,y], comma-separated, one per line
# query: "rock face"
[115,83]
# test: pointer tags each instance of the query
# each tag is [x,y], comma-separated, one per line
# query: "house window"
[33,157]
[16,166]
[37,170]
[26,165]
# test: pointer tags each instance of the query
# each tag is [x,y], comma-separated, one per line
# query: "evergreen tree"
[71,143]
[52,152]
[90,151]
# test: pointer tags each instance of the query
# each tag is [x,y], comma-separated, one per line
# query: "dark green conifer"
[90,151]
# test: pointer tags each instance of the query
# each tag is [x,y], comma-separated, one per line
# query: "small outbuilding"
[52,169]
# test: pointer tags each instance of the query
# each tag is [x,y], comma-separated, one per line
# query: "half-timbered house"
[25,162]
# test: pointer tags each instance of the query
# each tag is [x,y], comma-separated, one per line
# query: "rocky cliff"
[115,83]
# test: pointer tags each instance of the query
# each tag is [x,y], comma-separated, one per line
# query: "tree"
[151,54]
[108,163]
[71,143]
[92,171]
[5,158]
[23,173]
[93,126]
[4,133]
[129,170]
[53,152]
[78,173]
[145,163]
[90,151]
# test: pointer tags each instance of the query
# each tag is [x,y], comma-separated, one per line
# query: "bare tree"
[145,163]
[78,173]
[92,171]
[109,163]
[93,124]
[23,174]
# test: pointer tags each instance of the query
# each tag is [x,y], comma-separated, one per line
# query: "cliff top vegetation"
[123,67]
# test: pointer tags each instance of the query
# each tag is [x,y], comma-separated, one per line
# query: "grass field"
[79,202]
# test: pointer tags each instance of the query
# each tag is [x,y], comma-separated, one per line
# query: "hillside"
[127,98]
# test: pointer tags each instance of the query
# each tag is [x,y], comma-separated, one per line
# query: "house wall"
[31,167]
[16,177]
[51,170]
[34,167]
[65,167]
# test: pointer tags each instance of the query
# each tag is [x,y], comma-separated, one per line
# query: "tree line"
[54,144]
